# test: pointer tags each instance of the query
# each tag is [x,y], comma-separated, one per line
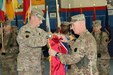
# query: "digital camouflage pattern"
[83,57]
[31,41]
[9,59]
[102,52]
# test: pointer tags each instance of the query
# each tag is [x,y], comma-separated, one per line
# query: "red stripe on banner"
[83,9]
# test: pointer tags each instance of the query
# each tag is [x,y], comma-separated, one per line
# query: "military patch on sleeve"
[27,36]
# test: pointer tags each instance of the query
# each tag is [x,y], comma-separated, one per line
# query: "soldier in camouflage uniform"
[84,49]
[9,57]
[65,31]
[31,39]
[103,57]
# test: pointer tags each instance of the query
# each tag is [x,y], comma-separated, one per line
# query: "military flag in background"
[15,4]
[10,9]
[26,9]
[2,10]
[47,20]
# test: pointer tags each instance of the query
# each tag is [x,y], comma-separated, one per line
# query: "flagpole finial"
[69,6]
[94,4]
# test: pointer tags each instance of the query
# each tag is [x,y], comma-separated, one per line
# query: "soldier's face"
[96,28]
[64,28]
[36,20]
[75,27]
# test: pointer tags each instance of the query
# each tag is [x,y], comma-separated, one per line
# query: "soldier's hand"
[52,52]
[63,37]
[3,51]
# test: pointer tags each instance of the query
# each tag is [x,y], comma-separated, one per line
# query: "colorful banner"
[38,2]
[47,20]
[2,10]
[2,16]
[10,10]
[15,4]
[26,9]
[56,67]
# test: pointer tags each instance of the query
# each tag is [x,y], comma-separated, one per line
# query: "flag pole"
[3,48]
[69,6]
[81,11]
[29,11]
[94,11]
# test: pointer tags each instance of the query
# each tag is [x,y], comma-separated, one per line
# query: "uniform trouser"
[9,67]
[72,70]
[103,66]
[29,73]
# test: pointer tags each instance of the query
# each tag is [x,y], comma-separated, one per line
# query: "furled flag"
[26,9]
[47,20]
[2,10]
[56,67]
[58,16]
[10,9]
[15,4]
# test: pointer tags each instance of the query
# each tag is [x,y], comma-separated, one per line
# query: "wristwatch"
[57,54]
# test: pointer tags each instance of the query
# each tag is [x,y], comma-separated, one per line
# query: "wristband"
[56,54]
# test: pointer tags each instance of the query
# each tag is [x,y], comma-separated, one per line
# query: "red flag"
[56,67]
[2,10]
[26,9]
[10,10]
[2,16]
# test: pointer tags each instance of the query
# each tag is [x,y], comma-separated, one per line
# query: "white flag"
[47,20]
[58,15]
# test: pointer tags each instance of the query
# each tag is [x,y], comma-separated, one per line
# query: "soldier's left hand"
[52,52]
[64,39]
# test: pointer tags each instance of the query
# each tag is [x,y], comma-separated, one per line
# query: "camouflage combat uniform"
[83,57]
[102,39]
[30,42]
[9,58]
[102,53]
